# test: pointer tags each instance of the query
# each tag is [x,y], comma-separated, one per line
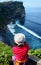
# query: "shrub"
[5,54]
[36,52]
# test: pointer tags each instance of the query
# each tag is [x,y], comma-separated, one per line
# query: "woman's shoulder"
[27,45]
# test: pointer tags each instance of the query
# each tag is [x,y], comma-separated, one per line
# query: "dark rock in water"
[11,11]
[6,37]
[1,38]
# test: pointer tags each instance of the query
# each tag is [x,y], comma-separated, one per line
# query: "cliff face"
[11,11]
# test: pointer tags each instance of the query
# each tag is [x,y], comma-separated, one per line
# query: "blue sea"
[33,19]
[33,22]
[31,28]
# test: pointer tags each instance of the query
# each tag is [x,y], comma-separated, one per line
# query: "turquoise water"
[33,23]
[32,40]
[33,19]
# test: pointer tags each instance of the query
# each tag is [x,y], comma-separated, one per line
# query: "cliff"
[11,11]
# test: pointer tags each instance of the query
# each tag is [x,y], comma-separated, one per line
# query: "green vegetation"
[5,54]
[36,52]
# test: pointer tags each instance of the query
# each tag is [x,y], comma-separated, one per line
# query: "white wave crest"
[28,30]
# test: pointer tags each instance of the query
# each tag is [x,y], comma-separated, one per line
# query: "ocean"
[31,28]
[33,22]
[33,19]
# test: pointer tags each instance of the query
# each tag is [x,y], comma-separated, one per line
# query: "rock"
[11,11]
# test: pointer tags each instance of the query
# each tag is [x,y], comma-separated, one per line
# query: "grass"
[36,52]
[5,54]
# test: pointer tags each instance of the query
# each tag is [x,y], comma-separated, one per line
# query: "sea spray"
[11,28]
[28,30]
